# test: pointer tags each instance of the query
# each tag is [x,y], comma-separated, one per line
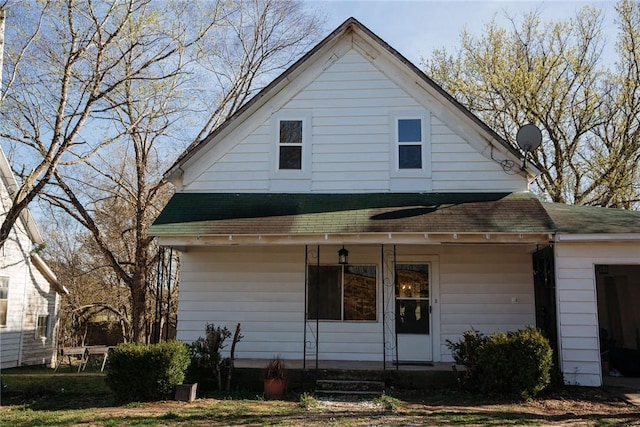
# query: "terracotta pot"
[274,388]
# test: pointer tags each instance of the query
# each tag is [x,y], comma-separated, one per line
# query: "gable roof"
[11,184]
[347,27]
[291,214]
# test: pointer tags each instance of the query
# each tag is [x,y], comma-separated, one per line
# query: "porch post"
[317,304]
[166,336]
[395,287]
[306,313]
[384,341]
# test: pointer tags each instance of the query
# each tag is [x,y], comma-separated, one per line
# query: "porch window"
[4,298]
[42,327]
[342,292]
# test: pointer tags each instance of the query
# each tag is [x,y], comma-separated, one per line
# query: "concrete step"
[349,387]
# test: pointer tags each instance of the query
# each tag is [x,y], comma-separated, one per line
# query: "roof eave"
[185,241]
[49,275]
[597,237]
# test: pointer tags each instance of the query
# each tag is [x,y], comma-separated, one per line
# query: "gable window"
[341,292]
[42,326]
[290,145]
[409,134]
[410,150]
[4,298]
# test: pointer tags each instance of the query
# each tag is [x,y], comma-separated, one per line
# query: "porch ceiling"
[414,216]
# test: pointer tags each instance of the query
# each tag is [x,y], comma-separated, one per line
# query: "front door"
[413,313]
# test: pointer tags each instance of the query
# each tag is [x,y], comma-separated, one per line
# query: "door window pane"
[412,280]
[412,316]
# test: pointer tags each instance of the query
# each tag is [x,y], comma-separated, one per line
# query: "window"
[290,145]
[337,292]
[4,297]
[42,327]
[409,143]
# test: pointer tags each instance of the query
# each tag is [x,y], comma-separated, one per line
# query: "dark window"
[290,142]
[409,143]
[4,297]
[325,292]
[338,292]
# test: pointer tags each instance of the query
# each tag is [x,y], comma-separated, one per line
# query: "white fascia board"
[597,237]
[48,274]
[355,239]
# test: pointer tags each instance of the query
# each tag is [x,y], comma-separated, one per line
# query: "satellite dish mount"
[528,138]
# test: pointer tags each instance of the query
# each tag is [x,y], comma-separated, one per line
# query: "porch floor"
[348,365]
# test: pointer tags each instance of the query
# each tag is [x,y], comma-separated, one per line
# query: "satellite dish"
[529,138]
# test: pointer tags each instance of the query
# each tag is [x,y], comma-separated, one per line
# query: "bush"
[139,372]
[207,362]
[514,363]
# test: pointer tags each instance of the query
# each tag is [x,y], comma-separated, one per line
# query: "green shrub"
[514,363]
[139,372]
[465,352]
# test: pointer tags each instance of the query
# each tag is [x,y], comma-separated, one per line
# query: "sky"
[415,28]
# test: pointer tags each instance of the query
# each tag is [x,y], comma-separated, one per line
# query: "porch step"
[349,387]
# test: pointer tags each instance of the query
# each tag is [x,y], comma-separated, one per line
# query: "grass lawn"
[41,399]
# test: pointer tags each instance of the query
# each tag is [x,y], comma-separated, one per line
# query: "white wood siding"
[486,287]
[350,104]
[577,304]
[29,294]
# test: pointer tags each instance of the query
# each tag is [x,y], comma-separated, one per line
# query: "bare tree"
[550,74]
[64,60]
[117,192]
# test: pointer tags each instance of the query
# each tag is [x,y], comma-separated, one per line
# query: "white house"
[29,291]
[353,149]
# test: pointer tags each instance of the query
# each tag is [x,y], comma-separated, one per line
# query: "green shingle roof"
[251,213]
[573,219]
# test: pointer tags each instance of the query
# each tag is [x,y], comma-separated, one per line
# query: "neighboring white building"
[29,291]
[355,148]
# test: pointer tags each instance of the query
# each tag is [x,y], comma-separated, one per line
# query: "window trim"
[342,319]
[425,144]
[305,168]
